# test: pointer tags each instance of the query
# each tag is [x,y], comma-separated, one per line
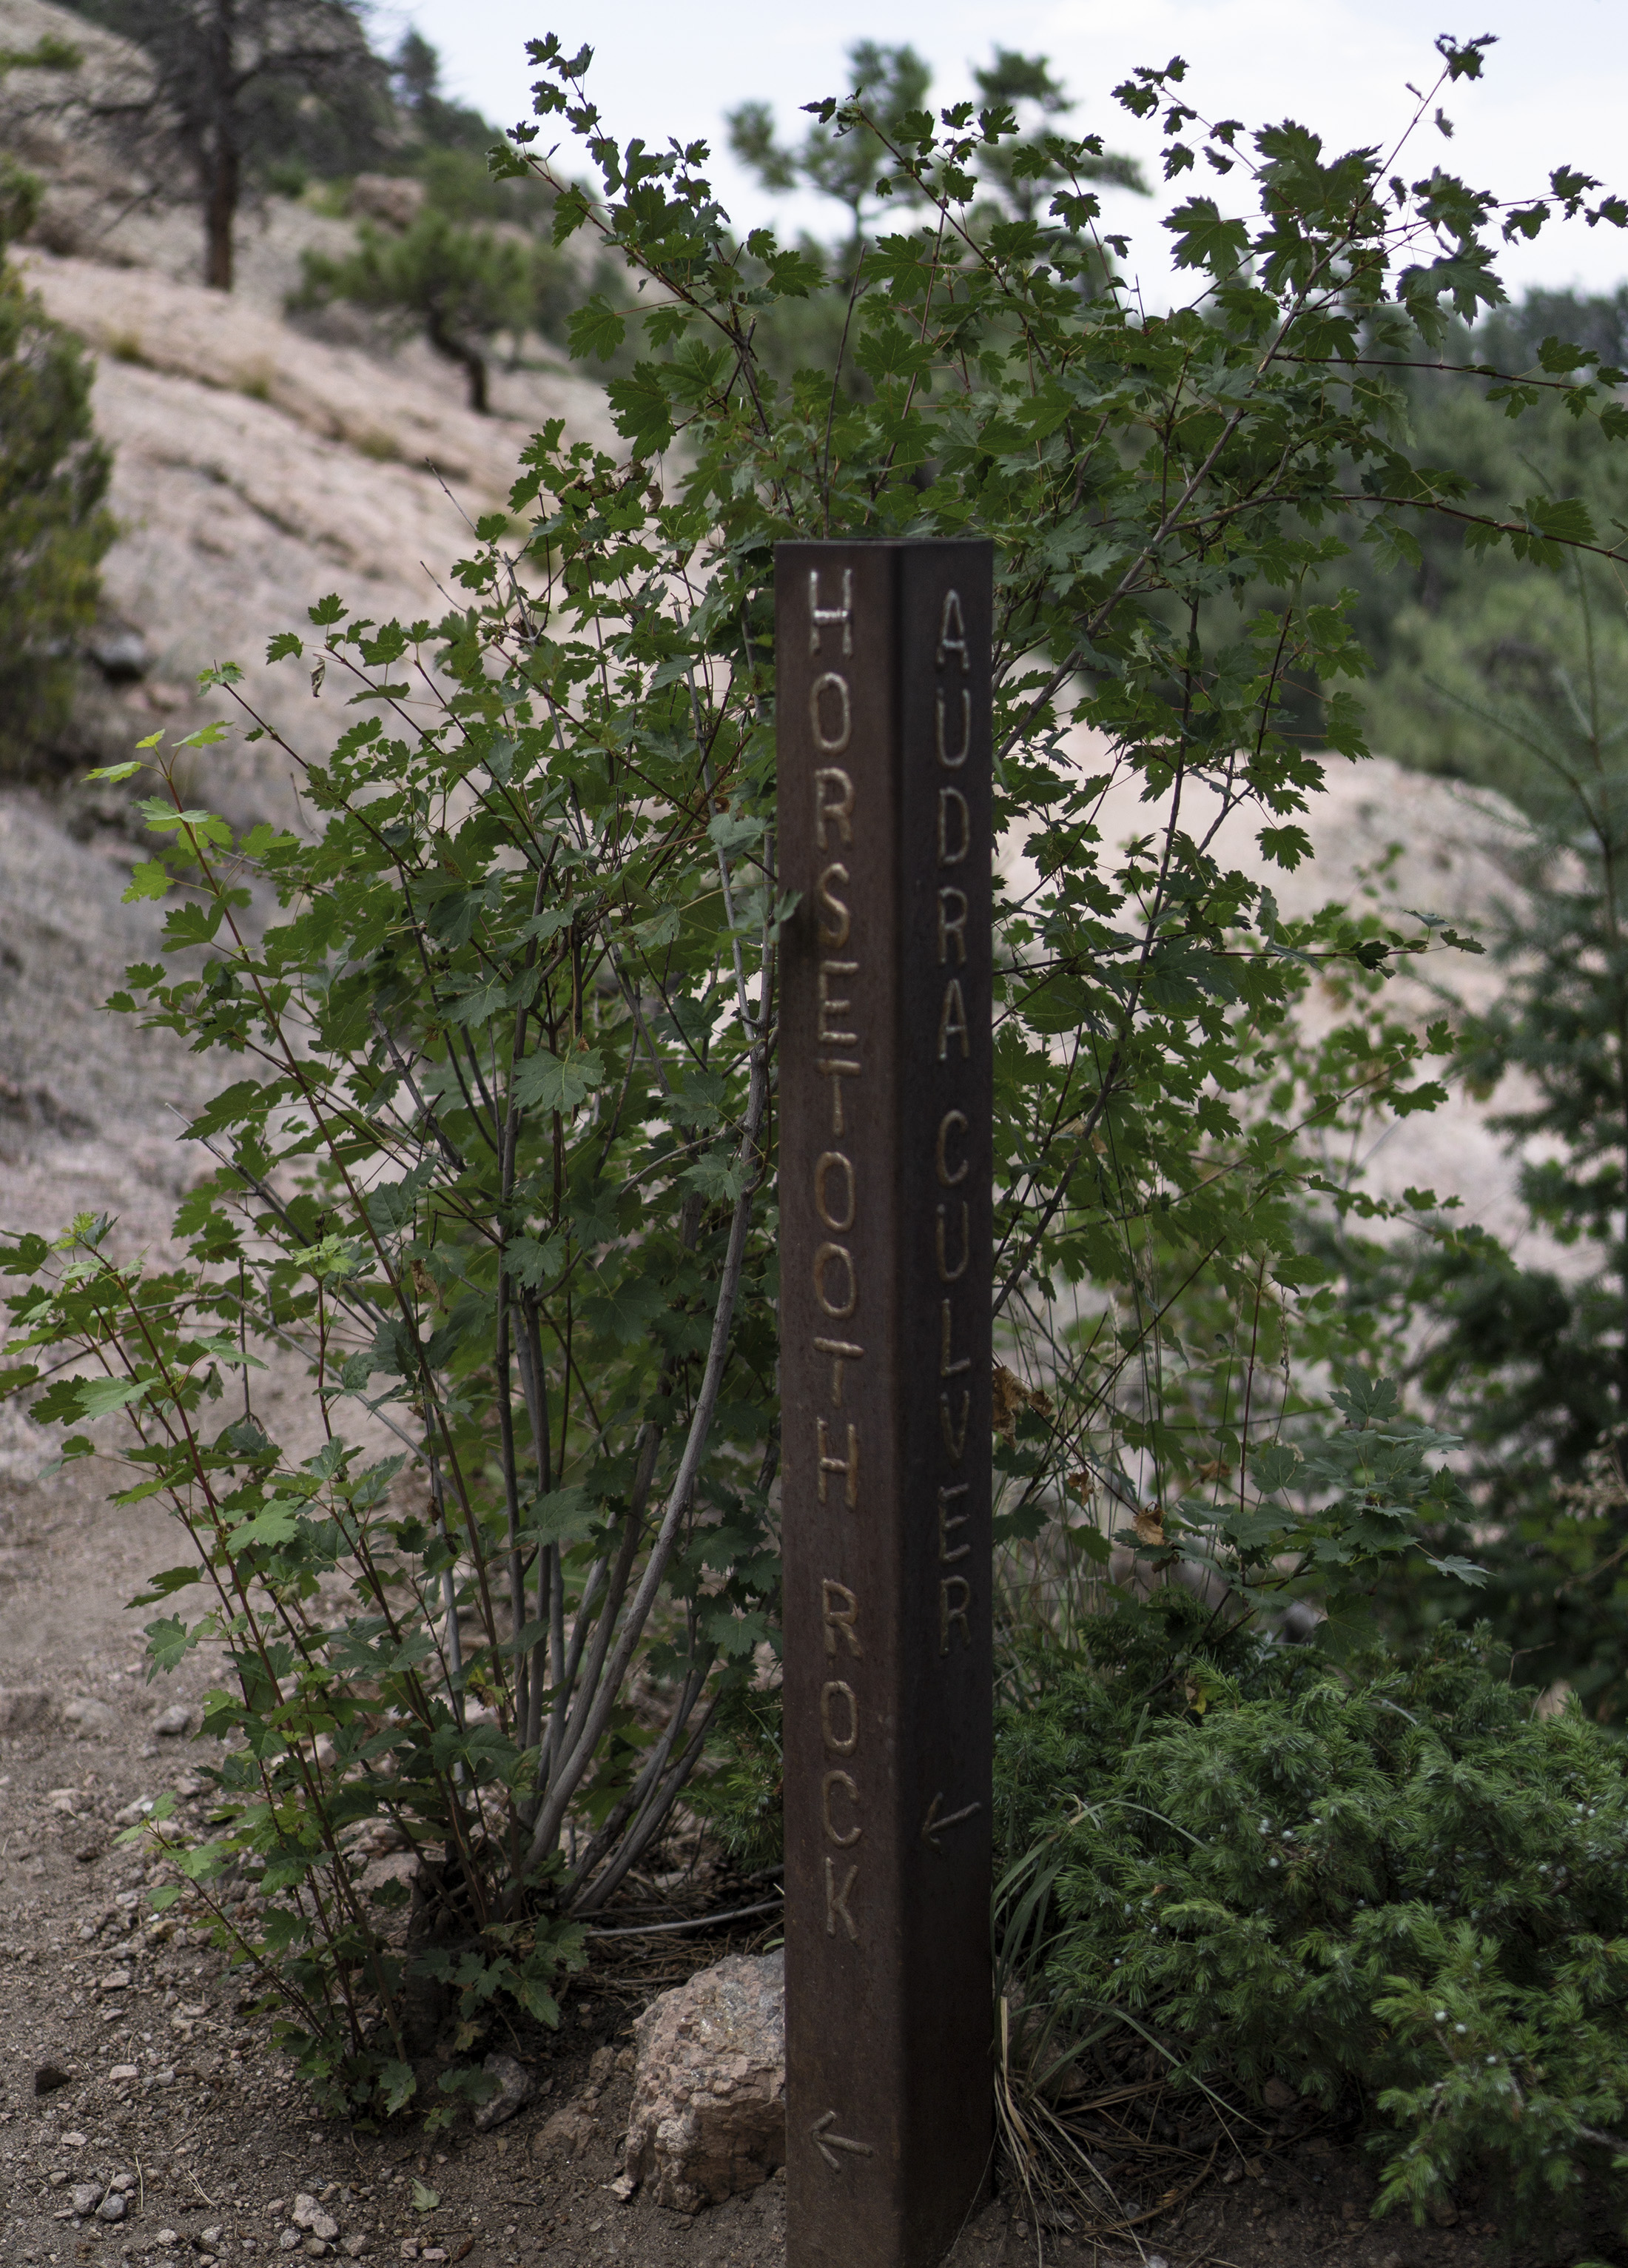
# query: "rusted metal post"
[883,700]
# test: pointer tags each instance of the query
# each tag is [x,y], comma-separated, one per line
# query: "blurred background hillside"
[387,324]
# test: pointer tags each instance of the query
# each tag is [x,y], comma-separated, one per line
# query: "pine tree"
[1024,172]
[54,524]
[462,285]
[238,88]
[438,122]
[891,81]
[1530,1360]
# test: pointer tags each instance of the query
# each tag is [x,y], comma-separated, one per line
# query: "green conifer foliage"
[53,525]
[845,164]
[1524,1351]
[463,285]
[1400,1890]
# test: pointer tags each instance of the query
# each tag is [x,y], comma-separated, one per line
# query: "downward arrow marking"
[828,2143]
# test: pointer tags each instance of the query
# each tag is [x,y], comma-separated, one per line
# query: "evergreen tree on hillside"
[1525,1359]
[1024,172]
[54,524]
[240,89]
[892,82]
[463,286]
[1021,173]
[1464,629]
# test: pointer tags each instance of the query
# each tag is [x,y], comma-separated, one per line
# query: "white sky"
[1556,88]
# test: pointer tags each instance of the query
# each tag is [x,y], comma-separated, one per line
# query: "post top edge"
[885,543]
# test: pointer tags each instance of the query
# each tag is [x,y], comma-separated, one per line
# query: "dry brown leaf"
[1007,1396]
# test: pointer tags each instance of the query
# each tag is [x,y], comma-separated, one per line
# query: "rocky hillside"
[258,465]
[256,469]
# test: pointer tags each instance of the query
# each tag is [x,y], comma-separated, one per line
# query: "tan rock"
[308,2215]
[708,2114]
[396,199]
[567,2134]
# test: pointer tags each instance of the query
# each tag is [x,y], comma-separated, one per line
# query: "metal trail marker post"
[883,705]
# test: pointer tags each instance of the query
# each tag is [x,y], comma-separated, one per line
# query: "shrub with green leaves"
[1400,1890]
[495,1132]
[1335,1510]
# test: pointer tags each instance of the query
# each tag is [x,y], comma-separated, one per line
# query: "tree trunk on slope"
[220,211]
[470,359]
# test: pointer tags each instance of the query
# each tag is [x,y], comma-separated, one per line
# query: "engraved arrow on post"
[933,1826]
[828,2143]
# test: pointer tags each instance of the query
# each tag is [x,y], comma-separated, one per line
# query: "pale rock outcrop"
[396,199]
[260,464]
[708,2113]
[255,471]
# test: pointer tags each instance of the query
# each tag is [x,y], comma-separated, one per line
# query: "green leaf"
[150,879]
[535,1264]
[169,1642]
[623,1308]
[391,1205]
[279,1522]
[596,328]
[548,1082]
[640,410]
[1564,520]
[1204,240]
[733,832]
[97,1397]
[1462,1571]
[165,1585]
[1273,1467]
[563,1516]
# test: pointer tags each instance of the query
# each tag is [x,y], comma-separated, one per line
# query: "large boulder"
[708,2114]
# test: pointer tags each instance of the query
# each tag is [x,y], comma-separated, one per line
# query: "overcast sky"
[1556,87]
